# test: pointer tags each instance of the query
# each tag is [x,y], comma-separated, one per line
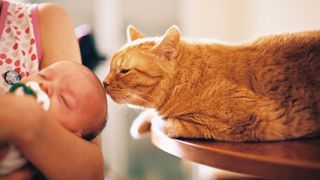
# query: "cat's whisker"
[122,94]
[136,95]
[139,94]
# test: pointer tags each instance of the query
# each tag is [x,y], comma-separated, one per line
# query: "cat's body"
[262,91]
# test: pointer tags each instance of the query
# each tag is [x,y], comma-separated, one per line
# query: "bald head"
[77,97]
[97,96]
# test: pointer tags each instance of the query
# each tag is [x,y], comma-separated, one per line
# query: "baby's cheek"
[64,117]
[57,112]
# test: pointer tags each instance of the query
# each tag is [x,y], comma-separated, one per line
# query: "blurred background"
[231,21]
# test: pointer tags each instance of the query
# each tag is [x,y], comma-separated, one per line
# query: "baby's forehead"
[66,70]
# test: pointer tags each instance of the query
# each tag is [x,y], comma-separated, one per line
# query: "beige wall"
[222,19]
[80,11]
[285,15]
[238,20]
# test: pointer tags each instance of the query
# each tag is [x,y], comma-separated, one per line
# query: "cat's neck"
[199,65]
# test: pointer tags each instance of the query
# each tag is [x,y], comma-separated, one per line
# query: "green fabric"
[26,89]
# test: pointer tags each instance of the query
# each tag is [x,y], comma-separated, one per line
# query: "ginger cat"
[266,90]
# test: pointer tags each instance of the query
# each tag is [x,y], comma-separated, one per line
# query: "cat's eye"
[124,71]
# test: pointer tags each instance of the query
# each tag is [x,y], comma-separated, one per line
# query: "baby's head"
[77,97]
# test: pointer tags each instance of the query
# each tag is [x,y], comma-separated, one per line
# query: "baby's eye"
[64,101]
[42,76]
[124,71]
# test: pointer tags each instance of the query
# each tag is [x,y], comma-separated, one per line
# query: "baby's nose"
[45,87]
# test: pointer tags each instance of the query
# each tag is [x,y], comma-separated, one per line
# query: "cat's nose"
[106,83]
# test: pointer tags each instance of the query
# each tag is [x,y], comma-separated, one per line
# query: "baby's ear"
[168,47]
[133,33]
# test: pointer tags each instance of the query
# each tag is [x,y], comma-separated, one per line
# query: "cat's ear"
[133,33]
[168,47]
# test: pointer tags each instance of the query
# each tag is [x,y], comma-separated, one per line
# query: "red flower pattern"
[18,50]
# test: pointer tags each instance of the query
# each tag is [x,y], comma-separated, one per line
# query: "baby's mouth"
[32,88]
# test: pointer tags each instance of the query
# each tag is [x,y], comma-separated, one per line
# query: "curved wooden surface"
[298,159]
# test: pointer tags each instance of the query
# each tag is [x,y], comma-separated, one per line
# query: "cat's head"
[141,71]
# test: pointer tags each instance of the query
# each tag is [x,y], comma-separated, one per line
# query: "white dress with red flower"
[20,48]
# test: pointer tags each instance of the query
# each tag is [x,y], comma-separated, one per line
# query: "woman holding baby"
[33,38]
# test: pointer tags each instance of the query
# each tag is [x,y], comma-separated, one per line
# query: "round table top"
[293,159]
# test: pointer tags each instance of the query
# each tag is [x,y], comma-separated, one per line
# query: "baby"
[75,98]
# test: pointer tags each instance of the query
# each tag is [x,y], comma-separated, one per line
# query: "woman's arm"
[56,152]
[59,154]
[58,39]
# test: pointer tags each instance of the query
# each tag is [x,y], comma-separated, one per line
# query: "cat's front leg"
[171,127]
[176,128]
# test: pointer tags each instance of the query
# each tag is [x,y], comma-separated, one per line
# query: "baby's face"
[74,95]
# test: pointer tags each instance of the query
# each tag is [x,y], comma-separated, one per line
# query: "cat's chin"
[117,100]
[134,106]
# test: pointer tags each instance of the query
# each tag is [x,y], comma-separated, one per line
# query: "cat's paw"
[174,128]
[141,125]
